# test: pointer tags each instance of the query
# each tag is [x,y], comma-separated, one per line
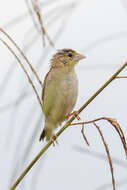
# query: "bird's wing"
[44,84]
[48,93]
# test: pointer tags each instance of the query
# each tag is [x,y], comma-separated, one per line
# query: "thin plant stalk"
[84,136]
[44,149]
[121,77]
[23,55]
[39,16]
[108,155]
[113,122]
[23,68]
[32,16]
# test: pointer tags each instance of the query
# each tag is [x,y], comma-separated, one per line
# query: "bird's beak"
[79,57]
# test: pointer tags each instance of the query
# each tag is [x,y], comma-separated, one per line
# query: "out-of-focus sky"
[99,30]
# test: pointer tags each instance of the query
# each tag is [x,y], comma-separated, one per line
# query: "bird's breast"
[68,91]
[63,96]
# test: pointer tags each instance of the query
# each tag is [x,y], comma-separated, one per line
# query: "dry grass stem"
[114,123]
[121,77]
[23,68]
[83,134]
[117,127]
[20,18]
[32,16]
[108,155]
[23,55]
[39,16]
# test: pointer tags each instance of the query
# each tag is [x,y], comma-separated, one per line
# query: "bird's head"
[66,58]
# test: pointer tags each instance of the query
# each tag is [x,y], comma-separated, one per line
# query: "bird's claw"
[54,140]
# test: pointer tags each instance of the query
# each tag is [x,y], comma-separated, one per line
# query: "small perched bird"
[60,90]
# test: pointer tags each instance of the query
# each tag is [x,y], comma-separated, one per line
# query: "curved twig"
[114,123]
[39,16]
[84,136]
[23,68]
[108,155]
[23,55]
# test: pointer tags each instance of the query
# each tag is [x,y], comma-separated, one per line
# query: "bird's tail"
[42,136]
[46,133]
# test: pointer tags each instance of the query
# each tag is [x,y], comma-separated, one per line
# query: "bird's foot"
[54,140]
[75,114]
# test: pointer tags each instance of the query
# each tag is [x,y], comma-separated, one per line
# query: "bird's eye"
[70,55]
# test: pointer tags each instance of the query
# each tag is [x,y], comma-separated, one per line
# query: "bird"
[60,90]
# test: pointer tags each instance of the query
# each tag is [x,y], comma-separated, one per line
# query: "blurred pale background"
[96,28]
